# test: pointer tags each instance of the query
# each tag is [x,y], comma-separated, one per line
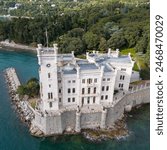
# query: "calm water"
[14,135]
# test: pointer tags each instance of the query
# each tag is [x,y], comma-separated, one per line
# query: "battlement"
[47,50]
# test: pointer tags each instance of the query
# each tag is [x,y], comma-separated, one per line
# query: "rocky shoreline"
[26,113]
[14,46]
[21,105]
[118,131]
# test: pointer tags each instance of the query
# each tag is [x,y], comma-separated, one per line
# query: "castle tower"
[47,59]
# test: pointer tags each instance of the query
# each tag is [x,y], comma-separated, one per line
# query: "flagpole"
[47,38]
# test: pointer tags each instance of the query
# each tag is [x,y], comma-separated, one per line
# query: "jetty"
[107,118]
[23,108]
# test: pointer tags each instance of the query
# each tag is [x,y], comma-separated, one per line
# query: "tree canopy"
[31,88]
[98,27]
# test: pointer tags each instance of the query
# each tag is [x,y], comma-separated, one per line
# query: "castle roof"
[69,69]
[88,66]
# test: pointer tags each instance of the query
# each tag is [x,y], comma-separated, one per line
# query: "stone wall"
[68,120]
[132,100]
[22,106]
[71,121]
[90,120]
[75,119]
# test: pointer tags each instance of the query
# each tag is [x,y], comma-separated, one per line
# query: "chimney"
[109,51]
[56,52]
[117,52]
[87,55]
[72,52]
[55,48]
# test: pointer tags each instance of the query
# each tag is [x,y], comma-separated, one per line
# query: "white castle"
[71,84]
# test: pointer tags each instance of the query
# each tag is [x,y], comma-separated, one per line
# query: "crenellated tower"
[47,59]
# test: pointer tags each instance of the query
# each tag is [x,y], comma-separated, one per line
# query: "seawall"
[22,107]
[90,117]
[73,119]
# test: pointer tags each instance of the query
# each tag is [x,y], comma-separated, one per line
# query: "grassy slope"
[139,59]
[139,63]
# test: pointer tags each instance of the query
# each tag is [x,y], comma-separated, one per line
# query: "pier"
[22,106]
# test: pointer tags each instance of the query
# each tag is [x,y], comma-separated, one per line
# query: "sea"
[14,134]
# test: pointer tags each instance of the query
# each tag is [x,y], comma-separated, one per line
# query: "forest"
[97,27]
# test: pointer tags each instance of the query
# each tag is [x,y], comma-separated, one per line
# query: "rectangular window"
[108,79]
[102,88]
[95,80]
[107,88]
[48,95]
[73,99]
[69,90]
[102,97]
[94,99]
[69,100]
[59,90]
[121,85]
[94,90]
[106,97]
[69,81]
[73,90]
[59,99]
[122,77]
[49,85]
[123,69]
[89,81]
[51,95]
[50,104]
[83,80]
[88,90]
[104,79]
[48,75]
[73,81]
[83,90]
[88,100]
[82,100]
[59,81]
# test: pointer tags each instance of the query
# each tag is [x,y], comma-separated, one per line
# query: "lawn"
[138,58]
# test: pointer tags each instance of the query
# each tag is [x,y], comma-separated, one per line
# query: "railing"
[133,88]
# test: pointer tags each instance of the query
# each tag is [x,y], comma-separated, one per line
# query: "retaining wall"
[73,121]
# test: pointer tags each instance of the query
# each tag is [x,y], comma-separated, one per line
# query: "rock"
[128,108]
[68,129]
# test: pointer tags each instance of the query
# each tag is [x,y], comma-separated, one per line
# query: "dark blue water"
[14,135]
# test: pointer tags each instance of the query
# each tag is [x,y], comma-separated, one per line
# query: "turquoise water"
[14,135]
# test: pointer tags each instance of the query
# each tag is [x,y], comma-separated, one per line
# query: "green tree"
[142,44]
[68,44]
[91,40]
[31,88]
[103,45]
[109,28]
[117,40]
[76,32]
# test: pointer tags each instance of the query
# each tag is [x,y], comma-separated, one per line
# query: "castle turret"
[47,59]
